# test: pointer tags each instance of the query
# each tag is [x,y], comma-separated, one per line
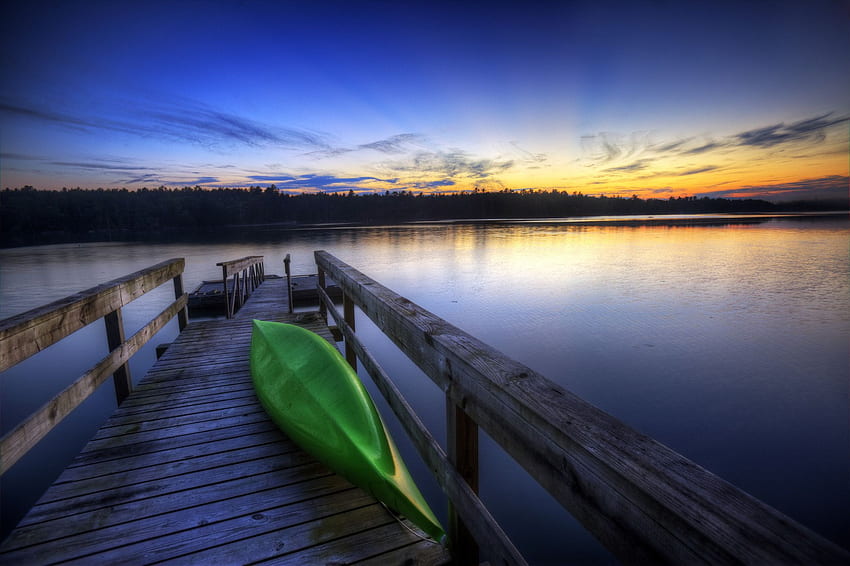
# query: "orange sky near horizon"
[654,99]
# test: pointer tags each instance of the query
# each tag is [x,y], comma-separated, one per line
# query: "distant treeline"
[34,216]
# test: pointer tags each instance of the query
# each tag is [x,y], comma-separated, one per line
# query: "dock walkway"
[190,469]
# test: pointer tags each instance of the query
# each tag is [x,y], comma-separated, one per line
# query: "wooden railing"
[643,501]
[26,334]
[245,275]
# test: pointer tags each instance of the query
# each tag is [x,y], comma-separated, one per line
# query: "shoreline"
[209,234]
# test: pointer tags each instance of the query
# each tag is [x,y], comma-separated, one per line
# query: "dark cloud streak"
[635,166]
[698,171]
[397,144]
[394,144]
[606,148]
[186,121]
[455,163]
[812,130]
[710,146]
[829,187]
[100,166]
[318,182]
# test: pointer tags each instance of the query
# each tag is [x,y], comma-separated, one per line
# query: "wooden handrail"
[247,273]
[642,500]
[46,325]
[25,334]
[485,528]
[234,266]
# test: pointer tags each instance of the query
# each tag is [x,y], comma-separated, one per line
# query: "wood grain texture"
[23,437]
[643,501]
[463,497]
[25,334]
[114,322]
[191,469]
[234,266]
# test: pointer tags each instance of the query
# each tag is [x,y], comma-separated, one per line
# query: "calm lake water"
[729,342]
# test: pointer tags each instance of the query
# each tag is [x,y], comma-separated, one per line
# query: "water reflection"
[728,343]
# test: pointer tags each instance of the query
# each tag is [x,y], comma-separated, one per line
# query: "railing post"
[115,338]
[323,310]
[463,455]
[286,269]
[348,317]
[228,310]
[183,315]
[237,292]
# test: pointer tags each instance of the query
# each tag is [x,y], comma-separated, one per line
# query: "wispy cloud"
[452,164]
[829,187]
[706,147]
[43,114]
[180,120]
[698,171]
[431,185]
[672,146]
[202,181]
[271,178]
[528,157]
[203,125]
[95,166]
[637,151]
[397,144]
[20,157]
[606,147]
[635,166]
[146,179]
[811,130]
[324,183]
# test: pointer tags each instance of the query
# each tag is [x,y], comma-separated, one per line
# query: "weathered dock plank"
[189,469]
[267,301]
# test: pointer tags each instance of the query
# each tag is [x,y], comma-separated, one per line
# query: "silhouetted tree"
[28,215]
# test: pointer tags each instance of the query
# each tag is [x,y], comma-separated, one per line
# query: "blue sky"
[653,98]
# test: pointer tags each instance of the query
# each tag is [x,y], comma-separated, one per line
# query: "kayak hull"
[316,398]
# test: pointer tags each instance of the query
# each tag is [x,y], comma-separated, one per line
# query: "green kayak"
[315,397]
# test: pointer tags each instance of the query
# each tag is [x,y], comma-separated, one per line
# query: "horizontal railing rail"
[26,334]
[643,501]
[245,274]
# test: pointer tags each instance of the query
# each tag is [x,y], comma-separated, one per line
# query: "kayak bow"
[316,398]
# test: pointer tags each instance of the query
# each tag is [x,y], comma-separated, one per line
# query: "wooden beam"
[183,315]
[114,338]
[320,287]
[642,500]
[288,272]
[237,265]
[462,437]
[23,437]
[28,333]
[348,316]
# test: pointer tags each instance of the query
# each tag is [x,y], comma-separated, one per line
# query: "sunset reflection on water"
[727,342]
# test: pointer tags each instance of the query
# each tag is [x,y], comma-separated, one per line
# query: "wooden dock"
[190,469]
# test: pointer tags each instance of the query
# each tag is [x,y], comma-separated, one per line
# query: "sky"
[650,98]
